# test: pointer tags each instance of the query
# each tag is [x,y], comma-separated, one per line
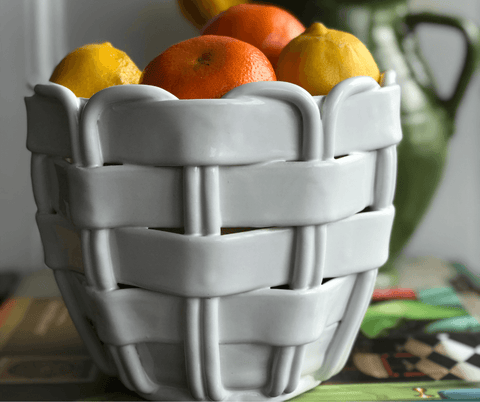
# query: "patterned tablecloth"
[43,358]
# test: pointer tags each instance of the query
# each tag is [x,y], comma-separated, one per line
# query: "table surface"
[51,363]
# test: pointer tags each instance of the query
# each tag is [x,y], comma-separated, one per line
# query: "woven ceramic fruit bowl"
[219,249]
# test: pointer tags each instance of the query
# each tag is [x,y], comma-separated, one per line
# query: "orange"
[198,12]
[93,67]
[207,67]
[320,58]
[267,27]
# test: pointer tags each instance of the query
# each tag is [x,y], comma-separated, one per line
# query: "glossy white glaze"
[134,189]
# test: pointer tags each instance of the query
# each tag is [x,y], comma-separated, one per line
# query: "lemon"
[320,58]
[93,67]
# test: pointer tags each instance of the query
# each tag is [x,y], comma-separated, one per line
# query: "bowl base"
[306,383]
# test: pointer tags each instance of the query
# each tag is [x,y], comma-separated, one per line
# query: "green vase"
[387,28]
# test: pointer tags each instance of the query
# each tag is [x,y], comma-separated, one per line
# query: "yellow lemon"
[198,12]
[320,58]
[93,67]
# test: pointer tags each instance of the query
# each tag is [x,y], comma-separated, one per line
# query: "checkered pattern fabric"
[446,356]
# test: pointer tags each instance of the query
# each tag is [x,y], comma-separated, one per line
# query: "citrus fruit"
[207,67]
[93,67]
[320,58]
[198,12]
[267,27]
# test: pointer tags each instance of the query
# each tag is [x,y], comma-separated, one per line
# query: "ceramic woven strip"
[309,263]
[114,196]
[183,131]
[383,198]
[99,269]
[208,266]
[202,217]
[119,315]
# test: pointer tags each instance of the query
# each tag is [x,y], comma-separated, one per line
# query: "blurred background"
[36,34]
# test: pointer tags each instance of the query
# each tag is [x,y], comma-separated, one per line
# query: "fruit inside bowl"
[244,43]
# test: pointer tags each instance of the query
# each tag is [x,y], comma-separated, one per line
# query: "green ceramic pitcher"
[387,28]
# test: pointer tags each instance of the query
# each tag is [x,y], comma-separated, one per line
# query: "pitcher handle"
[471,34]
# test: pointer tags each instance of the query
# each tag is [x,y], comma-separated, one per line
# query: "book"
[42,357]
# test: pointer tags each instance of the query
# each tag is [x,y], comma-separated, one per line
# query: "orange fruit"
[320,58]
[267,27]
[207,67]
[93,67]
[198,12]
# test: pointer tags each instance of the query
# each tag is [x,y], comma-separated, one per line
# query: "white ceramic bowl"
[140,197]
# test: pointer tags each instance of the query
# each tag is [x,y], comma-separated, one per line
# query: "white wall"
[144,28]
[34,37]
[19,246]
